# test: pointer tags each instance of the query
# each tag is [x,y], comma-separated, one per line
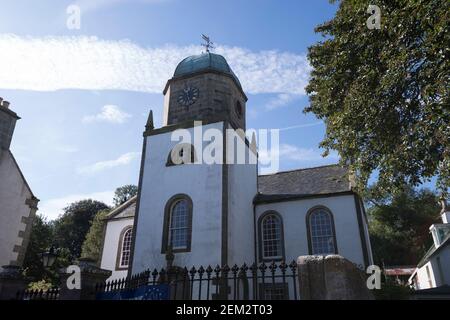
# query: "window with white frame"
[322,237]
[271,237]
[126,248]
[179,225]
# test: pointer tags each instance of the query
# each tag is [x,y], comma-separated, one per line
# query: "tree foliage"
[39,242]
[124,193]
[384,93]
[92,246]
[71,228]
[399,226]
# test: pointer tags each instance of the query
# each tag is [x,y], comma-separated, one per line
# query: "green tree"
[383,93]
[40,241]
[92,246]
[71,227]
[124,193]
[399,225]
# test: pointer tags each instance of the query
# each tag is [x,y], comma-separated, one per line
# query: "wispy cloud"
[90,63]
[288,152]
[281,100]
[123,160]
[110,113]
[52,208]
[93,5]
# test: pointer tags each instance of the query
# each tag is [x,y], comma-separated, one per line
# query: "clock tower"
[204,88]
[201,212]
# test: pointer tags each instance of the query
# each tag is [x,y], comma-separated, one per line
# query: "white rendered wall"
[294,223]
[242,188]
[13,195]
[439,275]
[113,232]
[201,182]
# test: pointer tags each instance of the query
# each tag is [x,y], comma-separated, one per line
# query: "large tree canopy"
[71,228]
[384,93]
[399,225]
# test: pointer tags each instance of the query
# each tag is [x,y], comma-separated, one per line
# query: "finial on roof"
[150,125]
[208,43]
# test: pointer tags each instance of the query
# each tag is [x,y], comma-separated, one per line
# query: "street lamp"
[49,257]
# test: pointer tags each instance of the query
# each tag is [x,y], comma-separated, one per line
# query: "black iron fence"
[272,281]
[50,294]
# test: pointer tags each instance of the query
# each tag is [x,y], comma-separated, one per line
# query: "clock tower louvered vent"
[204,88]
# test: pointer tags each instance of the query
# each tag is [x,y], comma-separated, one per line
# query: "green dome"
[204,62]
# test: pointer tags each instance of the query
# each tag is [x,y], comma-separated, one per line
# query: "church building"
[225,213]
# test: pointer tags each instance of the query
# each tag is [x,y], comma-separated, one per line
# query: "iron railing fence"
[265,281]
[50,294]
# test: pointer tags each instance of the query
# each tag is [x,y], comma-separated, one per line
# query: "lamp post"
[48,258]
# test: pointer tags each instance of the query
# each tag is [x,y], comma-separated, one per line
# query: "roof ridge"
[302,169]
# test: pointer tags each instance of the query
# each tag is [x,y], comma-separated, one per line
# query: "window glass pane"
[271,236]
[126,249]
[322,237]
[179,221]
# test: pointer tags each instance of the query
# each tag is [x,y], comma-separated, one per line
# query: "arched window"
[182,153]
[321,233]
[124,248]
[178,224]
[271,236]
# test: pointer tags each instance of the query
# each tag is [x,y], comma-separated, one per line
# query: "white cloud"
[109,164]
[281,100]
[110,113]
[89,63]
[52,208]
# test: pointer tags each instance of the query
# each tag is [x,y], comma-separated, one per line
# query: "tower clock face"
[188,96]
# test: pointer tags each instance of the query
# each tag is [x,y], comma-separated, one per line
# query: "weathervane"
[208,43]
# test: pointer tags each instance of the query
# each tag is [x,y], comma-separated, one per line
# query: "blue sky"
[83,95]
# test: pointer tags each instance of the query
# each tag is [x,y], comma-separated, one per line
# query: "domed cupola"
[204,88]
[204,62]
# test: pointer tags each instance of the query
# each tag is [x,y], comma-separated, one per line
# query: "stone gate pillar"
[331,277]
[90,276]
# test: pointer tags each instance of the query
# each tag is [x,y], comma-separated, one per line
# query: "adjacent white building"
[18,205]
[225,213]
[433,271]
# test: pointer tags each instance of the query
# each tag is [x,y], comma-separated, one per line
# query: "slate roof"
[433,250]
[125,210]
[330,179]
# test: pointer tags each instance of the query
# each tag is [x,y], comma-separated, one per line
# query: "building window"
[178,224]
[321,233]
[271,236]
[183,153]
[124,248]
[274,291]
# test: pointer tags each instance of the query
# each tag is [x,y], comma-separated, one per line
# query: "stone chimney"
[8,120]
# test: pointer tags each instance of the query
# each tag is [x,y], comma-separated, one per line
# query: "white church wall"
[201,182]
[242,189]
[295,232]
[111,243]
[13,196]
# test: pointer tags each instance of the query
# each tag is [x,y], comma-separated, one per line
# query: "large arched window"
[271,236]
[123,256]
[178,224]
[321,233]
